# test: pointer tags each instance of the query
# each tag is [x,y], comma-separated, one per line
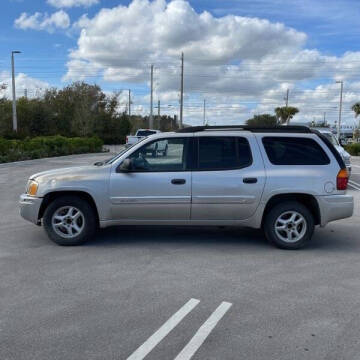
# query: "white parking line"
[197,340]
[169,325]
[354,184]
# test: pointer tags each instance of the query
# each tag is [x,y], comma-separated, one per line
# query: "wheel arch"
[309,201]
[49,197]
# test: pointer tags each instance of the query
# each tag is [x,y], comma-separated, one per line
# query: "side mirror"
[125,166]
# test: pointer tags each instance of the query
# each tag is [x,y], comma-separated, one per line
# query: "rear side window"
[294,151]
[223,153]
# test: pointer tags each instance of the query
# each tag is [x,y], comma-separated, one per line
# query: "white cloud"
[43,21]
[72,3]
[229,60]
[33,86]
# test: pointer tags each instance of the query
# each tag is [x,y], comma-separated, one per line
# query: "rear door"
[228,179]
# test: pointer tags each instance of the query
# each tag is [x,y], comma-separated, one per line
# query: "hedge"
[353,149]
[46,146]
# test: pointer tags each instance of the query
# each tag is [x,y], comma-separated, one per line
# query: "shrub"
[353,149]
[46,146]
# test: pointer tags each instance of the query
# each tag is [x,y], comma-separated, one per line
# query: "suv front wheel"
[289,225]
[69,220]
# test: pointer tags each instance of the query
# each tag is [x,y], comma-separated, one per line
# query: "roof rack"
[278,129]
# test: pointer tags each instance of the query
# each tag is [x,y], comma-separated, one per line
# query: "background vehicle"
[157,149]
[284,180]
[139,135]
[344,154]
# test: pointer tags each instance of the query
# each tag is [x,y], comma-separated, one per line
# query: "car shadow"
[190,235]
[329,239]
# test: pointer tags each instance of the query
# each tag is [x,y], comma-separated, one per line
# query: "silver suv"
[284,180]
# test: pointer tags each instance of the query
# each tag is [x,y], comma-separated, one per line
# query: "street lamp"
[13,89]
[340,108]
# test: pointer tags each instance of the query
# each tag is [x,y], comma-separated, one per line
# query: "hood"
[71,173]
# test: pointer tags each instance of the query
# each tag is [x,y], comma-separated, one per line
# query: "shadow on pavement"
[189,235]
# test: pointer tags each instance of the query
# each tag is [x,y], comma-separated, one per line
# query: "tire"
[154,153]
[289,225]
[165,152]
[61,224]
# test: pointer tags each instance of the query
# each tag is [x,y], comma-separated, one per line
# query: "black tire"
[165,152]
[155,152]
[89,226]
[281,209]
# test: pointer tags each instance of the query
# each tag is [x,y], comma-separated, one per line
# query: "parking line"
[197,340]
[354,185]
[169,325]
[358,166]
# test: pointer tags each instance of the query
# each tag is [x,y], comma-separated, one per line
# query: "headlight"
[32,187]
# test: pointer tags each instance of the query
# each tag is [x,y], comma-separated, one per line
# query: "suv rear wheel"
[69,220]
[289,225]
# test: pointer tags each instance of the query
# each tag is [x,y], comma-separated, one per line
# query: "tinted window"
[161,155]
[145,133]
[294,151]
[221,153]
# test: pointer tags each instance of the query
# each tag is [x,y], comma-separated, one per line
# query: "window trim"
[236,137]
[188,145]
[294,137]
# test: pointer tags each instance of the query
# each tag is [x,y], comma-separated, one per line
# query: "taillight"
[342,179]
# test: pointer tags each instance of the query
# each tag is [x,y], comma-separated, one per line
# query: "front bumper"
[29,208]
[335,207]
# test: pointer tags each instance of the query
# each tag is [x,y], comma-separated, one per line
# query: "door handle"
[250,180]
[178,181]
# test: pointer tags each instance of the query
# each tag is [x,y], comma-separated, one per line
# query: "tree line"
[77,110]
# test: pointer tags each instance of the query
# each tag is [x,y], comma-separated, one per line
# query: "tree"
[265,120]
[285,113]
[356,109]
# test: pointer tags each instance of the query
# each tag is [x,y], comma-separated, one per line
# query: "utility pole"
[159,109]
[340,108]
[25,93]
[182,92]
[151,124]
[13,90]
[324,118]
[129,103]
[204,114]
[287,98]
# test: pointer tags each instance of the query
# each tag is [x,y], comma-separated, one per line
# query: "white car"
[344,154]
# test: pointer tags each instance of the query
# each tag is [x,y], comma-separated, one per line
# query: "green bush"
[46,146]
[353,149]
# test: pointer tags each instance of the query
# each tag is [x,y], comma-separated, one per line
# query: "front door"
[229,178]
[158,185]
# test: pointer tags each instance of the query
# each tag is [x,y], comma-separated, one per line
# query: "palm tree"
[286,113]
[356,109]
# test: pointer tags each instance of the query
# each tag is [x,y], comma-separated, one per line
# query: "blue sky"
[331,28]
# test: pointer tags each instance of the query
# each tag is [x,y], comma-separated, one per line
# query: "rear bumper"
[29,208]
[335,207]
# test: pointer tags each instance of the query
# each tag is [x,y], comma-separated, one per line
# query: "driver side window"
[161,156]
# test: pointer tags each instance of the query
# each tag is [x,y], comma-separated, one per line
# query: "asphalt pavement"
[355,173]
[173,292]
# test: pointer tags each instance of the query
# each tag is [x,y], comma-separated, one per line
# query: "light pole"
[13,89]
[340,108]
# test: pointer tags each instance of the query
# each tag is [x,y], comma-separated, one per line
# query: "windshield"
[332,138]
[111,160]
[145,133]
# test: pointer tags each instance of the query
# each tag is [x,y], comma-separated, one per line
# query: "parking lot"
[174,292]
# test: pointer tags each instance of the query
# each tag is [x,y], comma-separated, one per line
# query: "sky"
[241,56]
